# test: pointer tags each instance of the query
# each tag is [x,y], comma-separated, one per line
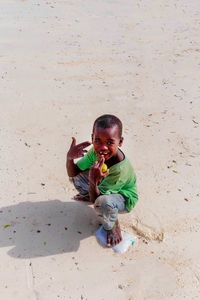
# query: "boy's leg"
[81,183]
[108,207]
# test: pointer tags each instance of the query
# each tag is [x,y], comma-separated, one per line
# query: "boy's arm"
[93,192]
[72,169]
[75,151]
[95,177]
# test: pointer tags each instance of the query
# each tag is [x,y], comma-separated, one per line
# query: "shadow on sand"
[45,228]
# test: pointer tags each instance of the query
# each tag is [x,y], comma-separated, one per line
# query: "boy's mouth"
[103,153]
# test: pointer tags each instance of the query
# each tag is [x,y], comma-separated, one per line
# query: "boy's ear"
[121,141]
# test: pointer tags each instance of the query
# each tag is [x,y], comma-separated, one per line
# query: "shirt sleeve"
[87,160]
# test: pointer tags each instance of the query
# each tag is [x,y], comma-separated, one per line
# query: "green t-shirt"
[121,178]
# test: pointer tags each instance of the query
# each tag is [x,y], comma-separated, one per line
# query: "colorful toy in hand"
[104,168]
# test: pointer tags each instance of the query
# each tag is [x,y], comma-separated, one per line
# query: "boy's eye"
[98,141]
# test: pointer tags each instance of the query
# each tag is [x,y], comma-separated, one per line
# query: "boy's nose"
[103,147]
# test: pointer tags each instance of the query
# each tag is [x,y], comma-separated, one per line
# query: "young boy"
[110,191]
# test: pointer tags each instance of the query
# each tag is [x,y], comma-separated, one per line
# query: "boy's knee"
[103,201]
[111,203]
[81,182]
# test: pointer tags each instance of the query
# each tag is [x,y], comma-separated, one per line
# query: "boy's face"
[106,141]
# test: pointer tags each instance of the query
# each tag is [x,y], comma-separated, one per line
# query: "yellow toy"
[104,168]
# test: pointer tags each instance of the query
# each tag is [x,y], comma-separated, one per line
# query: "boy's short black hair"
[108,121]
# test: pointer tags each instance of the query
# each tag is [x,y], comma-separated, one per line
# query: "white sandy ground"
[62,64]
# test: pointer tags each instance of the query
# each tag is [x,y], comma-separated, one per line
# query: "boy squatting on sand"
[112,191]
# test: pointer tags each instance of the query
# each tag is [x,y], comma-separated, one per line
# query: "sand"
[64,63]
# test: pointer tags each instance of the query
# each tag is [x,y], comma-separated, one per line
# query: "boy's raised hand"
[77,151]
[101,163]
[96,174]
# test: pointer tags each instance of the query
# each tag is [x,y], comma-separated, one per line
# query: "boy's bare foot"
[114,236]
[80,197]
